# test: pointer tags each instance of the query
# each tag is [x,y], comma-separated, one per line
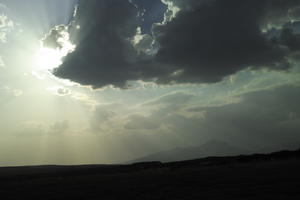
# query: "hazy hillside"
[211,148]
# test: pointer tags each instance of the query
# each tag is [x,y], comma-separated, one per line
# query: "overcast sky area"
[107,81]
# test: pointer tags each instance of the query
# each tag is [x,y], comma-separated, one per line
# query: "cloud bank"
[264,120]
[203,42]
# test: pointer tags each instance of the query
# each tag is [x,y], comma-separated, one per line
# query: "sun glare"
[47,59]
[50,58]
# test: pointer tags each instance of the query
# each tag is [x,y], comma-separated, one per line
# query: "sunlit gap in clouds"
[42,58]
[49,58]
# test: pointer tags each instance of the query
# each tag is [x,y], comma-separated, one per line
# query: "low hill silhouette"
[257,176]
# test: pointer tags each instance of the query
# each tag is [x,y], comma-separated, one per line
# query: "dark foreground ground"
[273,176]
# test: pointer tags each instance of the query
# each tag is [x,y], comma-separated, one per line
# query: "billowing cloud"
[56,38]
[203,41]
[150,12]
[208,40]
[104,53]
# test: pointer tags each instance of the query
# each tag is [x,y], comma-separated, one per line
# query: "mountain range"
[211,148]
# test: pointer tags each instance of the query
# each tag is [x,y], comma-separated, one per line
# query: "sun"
[48,59]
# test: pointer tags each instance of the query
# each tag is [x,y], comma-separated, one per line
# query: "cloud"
[107,117]
[6,25]
[59,127]
[2,64]
[159,109]
[39,128]
[31,128]
[63,92]
[209,40]
[173,98]
[151,12]
[263,120]
[142,122]
[2,6]
[104,54]
[203,42]
[8,93]
[17,92]
[56,38]
[85,99]
[119,118]
[60,91]
[295,13]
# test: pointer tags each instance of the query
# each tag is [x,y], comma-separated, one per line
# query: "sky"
[108,81]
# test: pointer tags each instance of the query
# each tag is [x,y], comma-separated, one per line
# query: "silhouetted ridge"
[257,176]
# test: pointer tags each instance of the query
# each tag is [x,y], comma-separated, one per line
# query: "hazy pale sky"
[107,81]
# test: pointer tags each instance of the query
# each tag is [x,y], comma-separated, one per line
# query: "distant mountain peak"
[213,147]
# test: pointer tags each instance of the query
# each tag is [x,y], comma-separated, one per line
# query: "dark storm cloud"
[220,38]
[104,54]
[151,12]
[205,42]
[295,13]
[290,39]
